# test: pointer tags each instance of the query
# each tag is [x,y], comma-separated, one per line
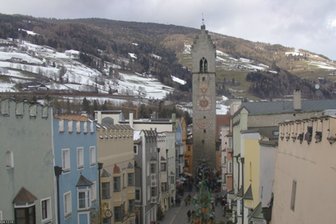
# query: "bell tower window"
[203,65]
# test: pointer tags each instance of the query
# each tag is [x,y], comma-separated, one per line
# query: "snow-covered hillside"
[25,66]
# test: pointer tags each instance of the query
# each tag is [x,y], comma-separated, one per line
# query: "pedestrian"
[189,215]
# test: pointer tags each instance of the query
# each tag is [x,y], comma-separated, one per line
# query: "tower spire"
[203,25]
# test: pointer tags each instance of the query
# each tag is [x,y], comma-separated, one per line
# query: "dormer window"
[203,65]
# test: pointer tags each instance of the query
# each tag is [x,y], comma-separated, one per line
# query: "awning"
[257,214]
[24,197]
[248,194]
[83,182]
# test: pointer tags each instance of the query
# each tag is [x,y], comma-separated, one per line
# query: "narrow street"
[178,214]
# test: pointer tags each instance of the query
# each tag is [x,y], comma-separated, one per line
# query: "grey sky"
[307,24]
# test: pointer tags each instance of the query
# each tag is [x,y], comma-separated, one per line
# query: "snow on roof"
[136,135]
[178,80]
[156,56]
[29,32]
[132,55]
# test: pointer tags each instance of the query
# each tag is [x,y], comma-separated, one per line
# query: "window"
[25,215]
[67,203]
[135,149]
[93,159]
[172,180]
[61,126]
[70,126]
[163,166]
[46,209]
[78,129]
[106,190]
[116,184]
[153,191]
[84,199]
[1,216]
[130,179]
[94,191]
[138,194]
[80,157]
[130,206]
[152,167]
[204,130]
[164,186]
[117,214]
[203,66]
[9,159]
[66,159]
[106,220]
[292,205]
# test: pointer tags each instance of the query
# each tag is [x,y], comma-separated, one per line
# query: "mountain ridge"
[159,50]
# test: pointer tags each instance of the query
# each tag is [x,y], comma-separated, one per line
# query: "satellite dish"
[317,86]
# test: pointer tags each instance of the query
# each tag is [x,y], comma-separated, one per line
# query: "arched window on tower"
[203,65]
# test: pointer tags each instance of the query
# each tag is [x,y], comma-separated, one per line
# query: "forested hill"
[164,50]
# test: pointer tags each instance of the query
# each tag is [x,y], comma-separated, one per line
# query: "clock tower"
[203,54]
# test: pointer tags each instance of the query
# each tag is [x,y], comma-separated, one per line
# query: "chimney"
[131,119]
[297,99]
[98,117]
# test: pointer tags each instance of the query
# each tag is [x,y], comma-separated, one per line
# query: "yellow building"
[251,174]
[115,152]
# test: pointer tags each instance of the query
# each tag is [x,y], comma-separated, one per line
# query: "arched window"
[203,65]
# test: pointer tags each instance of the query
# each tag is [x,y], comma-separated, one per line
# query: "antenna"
[202,19]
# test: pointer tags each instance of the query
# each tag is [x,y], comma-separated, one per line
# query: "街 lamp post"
[168,199]
[158,183]
[100,167]
[58,171]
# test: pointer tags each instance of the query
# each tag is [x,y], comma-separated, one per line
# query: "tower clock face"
[204,103]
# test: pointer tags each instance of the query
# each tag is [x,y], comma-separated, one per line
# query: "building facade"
[75,149]
[263,118]
[203,54]
[26,163]
[146,176]
[115,152]
[304,189]
[167,190]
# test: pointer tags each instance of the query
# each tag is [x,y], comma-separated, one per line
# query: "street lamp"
[168,199]
[58,171]
[100,167]
[158,183]
[242,160]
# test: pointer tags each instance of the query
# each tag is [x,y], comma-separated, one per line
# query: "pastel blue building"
[76,169]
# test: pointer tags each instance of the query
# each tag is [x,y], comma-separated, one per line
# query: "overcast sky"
[307,24]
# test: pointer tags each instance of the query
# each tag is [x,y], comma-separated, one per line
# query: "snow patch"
[132,55]
[29,32]
[178,80]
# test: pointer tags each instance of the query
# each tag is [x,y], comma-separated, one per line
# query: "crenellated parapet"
[24,109]
[315,130]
